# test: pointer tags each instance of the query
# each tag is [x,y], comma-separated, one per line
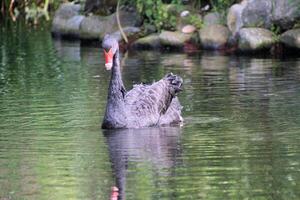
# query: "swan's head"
[110,46]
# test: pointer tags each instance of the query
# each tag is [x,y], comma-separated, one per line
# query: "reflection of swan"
[144,105]
[157,146]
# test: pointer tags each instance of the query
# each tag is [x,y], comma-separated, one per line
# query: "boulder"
[257,13]
[212,18]
[129,31]
[234,17]
[214,36]
[291,38]
[254,39]
[149,42]
[286,13]
[67,20]
[176,39]
[95,27]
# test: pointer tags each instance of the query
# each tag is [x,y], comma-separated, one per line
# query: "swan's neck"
[116,87]
[115,108]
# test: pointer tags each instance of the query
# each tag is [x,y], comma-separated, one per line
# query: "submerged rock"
[254,39]
[214,37]
[291,38]
[67,20]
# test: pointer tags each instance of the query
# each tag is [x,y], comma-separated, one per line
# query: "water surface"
[240,139]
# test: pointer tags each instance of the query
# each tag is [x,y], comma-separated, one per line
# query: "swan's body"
[144,105]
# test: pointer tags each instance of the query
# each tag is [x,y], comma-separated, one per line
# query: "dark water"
[240,139]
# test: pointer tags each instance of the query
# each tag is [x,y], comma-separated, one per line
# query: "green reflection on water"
[240,139]
[50,142]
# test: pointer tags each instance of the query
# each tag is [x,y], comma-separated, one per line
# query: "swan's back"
[156,104]
[144,105]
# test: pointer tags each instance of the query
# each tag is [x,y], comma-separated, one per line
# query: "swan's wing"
[147,103]
[135,93]
[173,114]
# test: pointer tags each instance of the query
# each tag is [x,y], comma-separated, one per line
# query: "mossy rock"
[176,39]
[214,37]
[149,42]
[255,39]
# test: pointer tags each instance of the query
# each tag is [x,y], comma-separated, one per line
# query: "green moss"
[195,20]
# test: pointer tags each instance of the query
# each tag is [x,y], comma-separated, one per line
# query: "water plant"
[156,12]
[162,13]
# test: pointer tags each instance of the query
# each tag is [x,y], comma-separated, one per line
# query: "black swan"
[142,106]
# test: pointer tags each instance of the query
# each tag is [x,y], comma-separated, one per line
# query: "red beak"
[108,59]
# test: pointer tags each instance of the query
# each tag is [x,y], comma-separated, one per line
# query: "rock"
[101,7]
[212,18]
[188,29]
[67,10]
[286,13]
[234,17]
[95,27]
[264,14]
[185,13]
[175,39]
[149,28]
[253,39]
[257,13]
[67,20]
[149,42]
[129,31]
[291,38]
[214,36]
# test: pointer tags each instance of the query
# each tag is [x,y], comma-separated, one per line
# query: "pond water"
[240,139]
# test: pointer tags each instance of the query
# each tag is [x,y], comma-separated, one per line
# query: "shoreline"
[232,37]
